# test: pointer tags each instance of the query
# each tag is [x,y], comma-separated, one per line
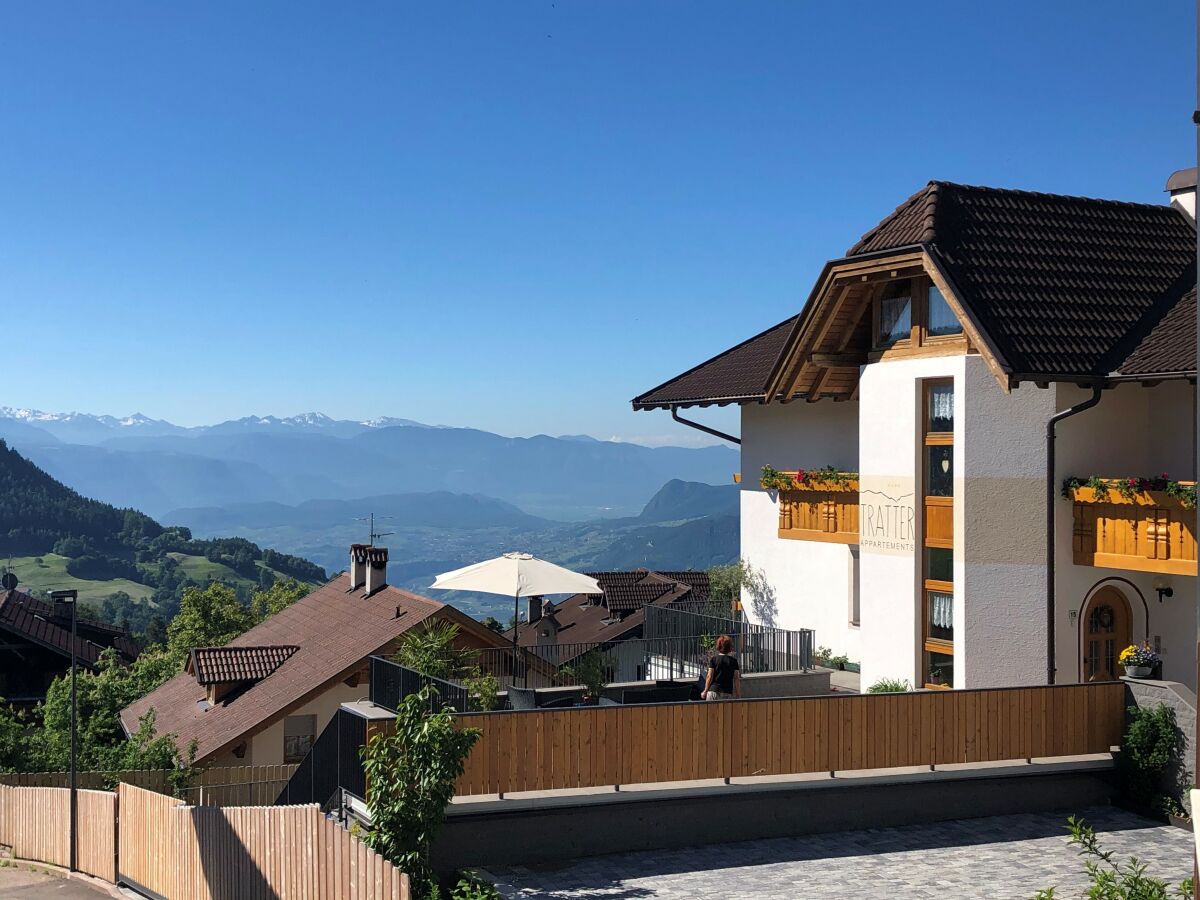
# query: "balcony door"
[1105,632]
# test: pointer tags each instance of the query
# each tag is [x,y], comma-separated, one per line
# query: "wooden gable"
[837,335]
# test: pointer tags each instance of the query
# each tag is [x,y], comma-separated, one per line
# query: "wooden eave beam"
[974,332]
[842,359]
[784,377]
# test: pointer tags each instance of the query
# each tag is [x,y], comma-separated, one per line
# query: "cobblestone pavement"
[996,858]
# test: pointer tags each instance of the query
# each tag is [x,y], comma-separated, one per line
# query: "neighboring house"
[561,632]
[263,698]
[925,369]
[35,645]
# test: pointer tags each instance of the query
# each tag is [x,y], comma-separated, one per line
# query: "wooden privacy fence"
[181,852]
[594,746]
[34,822]
[196,853]
[216,786]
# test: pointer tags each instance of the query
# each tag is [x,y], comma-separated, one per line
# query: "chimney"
[535,609]
[376,569]
[1182,188]
[358,565]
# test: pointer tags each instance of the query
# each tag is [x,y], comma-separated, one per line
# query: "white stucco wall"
[813,581]
[266,747]
[999,638]
[890,399]
[1133,431]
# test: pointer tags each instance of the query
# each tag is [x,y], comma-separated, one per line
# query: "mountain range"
[159,467]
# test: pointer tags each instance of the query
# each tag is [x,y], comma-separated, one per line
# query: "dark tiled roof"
[37,621]
[1170,346]
[739,373]
[589,619]
[625,598]
[1061,285]
[222,665]
[334,630]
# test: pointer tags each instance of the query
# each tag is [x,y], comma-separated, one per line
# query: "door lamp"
[1163,587]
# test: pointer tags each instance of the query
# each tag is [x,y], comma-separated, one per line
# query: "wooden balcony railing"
[820,511]
[1149,532]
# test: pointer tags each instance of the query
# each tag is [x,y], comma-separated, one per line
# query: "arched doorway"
[1105,629]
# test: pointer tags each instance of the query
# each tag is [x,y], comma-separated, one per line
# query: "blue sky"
[514,216]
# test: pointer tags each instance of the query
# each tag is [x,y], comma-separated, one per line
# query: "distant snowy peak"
[76,425]
[32,416]
[393,422]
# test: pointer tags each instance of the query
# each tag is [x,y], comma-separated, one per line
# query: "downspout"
[690,424]
[1051,491]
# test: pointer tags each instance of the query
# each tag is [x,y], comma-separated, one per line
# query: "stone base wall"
[1148,694]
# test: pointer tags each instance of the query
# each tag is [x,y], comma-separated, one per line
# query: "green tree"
[412,773]
[729,584]
[493,623]
[279,596]
[208,617]
[101,741]
[430,650]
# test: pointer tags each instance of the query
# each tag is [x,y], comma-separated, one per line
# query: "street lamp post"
[70,597]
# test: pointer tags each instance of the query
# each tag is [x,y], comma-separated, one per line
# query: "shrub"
[590,671]
[412,774]
[1150,746]
[1115,880]
[472,887]
[890,686]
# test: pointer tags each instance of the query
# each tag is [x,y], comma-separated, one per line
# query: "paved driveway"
[997,858]
[19,883]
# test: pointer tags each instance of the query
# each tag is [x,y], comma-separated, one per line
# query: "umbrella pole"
[516,623]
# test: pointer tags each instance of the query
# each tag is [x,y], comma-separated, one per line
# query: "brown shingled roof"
[1169,347]
[38,622]
[333,628]
[588,620]
[738,374]
[222,665]
[1062,288]
[1058,283]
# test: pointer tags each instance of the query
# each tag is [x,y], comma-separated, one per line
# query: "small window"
[895,313]
[298,735]
[939,564]
[941,409]
[941,615]
[939,669]
[942,319]
[939,472]
[855,589]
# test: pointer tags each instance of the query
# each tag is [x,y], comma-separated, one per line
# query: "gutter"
[690,424]
[1051,424]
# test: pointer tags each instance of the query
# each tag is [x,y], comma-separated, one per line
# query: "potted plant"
[1138,661]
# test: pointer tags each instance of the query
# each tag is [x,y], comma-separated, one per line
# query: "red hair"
[724,644]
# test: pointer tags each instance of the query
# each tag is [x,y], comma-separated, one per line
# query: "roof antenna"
[373,533]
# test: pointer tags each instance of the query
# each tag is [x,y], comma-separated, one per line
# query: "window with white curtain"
[942,319]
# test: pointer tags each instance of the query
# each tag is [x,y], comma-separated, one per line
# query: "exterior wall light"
[1163,587]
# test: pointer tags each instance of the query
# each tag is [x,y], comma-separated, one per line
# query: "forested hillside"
[125,563]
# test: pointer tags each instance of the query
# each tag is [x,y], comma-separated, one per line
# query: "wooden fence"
[594,746]
[34,822]
[197,853]
[182,852]
[216,786]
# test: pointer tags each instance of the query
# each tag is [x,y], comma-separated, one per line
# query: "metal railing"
[332,763]
[392,682]
[642,659]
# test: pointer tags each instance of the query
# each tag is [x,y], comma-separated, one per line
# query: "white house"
[924,374]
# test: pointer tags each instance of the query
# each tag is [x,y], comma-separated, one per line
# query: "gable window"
[298,735]
[895,313]
[942,320]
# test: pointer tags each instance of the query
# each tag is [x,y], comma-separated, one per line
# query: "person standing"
[724,680]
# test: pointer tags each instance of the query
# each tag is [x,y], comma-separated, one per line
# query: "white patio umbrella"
[517,575]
